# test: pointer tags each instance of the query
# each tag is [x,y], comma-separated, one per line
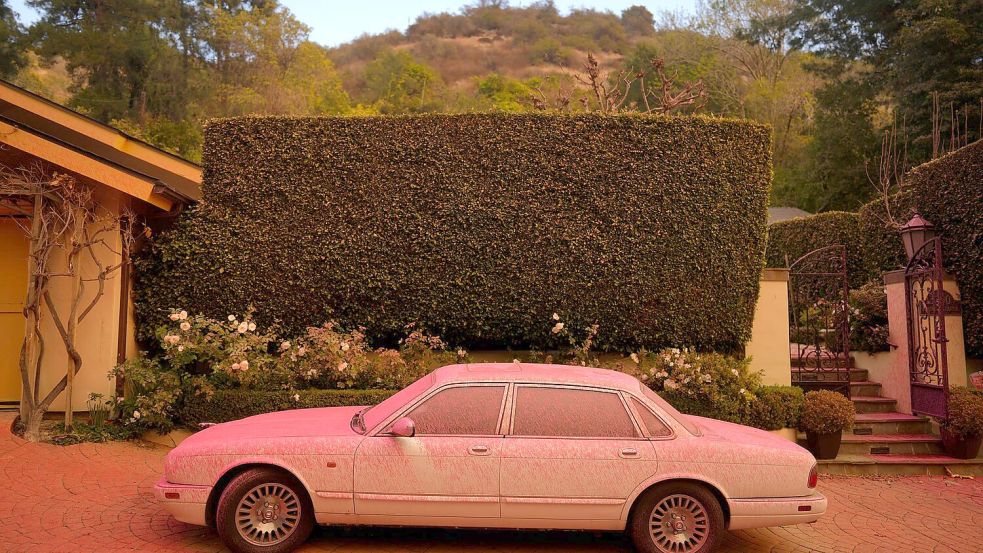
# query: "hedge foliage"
[791,239]
[476,226]
[229,405]
[949,193]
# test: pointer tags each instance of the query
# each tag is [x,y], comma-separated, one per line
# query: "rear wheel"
[677,518]
[264,510]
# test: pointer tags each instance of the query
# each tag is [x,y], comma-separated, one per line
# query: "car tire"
[264,510]
[676,518]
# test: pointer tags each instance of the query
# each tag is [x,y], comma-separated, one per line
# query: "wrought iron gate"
[819,320]
[926,308]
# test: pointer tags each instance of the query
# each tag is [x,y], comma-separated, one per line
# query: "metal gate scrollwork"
[819,320]
[927,304]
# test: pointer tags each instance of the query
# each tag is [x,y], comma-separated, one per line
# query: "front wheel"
[677,518]
[264,510]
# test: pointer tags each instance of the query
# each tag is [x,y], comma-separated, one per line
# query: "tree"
[638,20]
[11,37]
[398,83]
[66,229]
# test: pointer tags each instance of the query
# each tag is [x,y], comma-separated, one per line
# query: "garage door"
[13,287]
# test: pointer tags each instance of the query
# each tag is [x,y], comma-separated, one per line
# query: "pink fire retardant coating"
[501,446]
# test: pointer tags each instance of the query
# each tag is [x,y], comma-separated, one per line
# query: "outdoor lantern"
[915,233]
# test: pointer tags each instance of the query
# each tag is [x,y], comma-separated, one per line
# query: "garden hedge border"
[791,239]
[229,405]
[476,226]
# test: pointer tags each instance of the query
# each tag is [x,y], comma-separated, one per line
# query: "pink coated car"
[493,446]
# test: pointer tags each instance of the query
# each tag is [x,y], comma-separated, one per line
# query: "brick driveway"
[97,497]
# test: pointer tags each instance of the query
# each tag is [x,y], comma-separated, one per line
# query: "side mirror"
[404,428]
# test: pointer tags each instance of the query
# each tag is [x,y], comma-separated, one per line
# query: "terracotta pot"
[824,446]
[959,446]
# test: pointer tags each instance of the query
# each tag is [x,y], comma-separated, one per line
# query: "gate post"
[769,343]
[897,383]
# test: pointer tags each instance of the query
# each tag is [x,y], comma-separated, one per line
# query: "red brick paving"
[97,497]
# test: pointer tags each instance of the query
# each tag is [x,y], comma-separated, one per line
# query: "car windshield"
[684,420]
[376,414]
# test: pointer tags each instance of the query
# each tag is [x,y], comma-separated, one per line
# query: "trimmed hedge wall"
[230,405]
[791,239]
[477,226]
[949,193]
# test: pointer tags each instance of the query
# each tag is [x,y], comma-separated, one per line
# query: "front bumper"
[781,511]
[185,503]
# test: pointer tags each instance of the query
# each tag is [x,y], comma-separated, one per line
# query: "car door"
[449,468]
[572,453]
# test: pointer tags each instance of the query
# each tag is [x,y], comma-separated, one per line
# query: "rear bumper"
[185,503]
[781,511]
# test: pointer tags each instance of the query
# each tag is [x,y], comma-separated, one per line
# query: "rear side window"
[571,413]
[460,411]
[655,427]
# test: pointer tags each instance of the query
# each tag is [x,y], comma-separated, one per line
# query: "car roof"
[535,373]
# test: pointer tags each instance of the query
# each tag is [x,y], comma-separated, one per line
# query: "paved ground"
[97,497]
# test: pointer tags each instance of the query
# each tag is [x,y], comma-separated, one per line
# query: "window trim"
[403,411]
[510,429]
[638,419]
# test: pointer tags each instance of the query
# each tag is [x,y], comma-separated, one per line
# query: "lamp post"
[916,233]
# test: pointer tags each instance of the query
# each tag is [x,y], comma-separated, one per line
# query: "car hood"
[743,435]
[319,422]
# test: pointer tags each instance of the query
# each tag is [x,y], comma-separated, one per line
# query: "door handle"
[478,450]
[628,453]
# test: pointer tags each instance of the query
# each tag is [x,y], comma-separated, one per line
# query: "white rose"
[556,317]
[232,318]
[235,366]
[136,414]
[180,348]
[183,315]
[557,328]
[185,326]
[285,346]
[252,327]
[342,366]
[345,346]
[243,327]
[296,397]
[634,357]
[301,351]
[461,352]
[244,365]
[175,316]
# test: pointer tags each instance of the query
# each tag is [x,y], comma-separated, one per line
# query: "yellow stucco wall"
[13,283]
[768,347]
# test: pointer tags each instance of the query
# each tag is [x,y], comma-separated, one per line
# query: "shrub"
[826,412]
[710,385]
[153,395]
[965,413]
[868,318]
[775,407]
[791,239]
[228,405]
[478,226]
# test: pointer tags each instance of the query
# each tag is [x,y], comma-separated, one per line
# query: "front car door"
[572,453]
[449,468]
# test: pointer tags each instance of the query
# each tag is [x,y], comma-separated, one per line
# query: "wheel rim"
[268,514]
[679,524]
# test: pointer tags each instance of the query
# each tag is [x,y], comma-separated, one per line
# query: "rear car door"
[572,453]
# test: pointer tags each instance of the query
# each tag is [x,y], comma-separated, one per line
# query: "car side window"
[656,428]
[570,413]
[460,411]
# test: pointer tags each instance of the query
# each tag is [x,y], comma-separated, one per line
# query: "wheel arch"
[688,479]
[230,472]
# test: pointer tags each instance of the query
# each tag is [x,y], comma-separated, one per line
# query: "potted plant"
[825,415]
[962,430]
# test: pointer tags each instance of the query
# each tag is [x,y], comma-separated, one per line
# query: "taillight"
[814,476]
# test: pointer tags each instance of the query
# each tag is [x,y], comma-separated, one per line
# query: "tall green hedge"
[791,239]
[477,226]
[949,193]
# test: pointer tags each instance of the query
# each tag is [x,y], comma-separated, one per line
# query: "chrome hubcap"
[679,524]
[268,514]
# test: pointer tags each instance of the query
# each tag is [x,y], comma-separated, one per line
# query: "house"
[123,173]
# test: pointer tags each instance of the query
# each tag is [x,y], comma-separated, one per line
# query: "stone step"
[812,375]
[894,444]
[874,404]
[890,423]
[865,388]
[900,465]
